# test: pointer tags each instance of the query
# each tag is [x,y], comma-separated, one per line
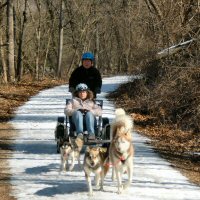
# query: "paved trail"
[35,164]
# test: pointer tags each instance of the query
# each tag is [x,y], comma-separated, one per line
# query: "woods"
[41,42]
[46,37]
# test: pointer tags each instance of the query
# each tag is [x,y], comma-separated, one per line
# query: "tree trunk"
[96,48]
[5,76]
[38,36]
[2,47]
[60,47]
[186,11]
[96,52]
[20,48]
[46,55]
[154,8]
[10,36]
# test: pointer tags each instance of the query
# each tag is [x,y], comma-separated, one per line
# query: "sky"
[35,165]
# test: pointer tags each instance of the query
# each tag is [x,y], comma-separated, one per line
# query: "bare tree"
[122,34]
[186,11]
[79,14]
[21,41]
[10,35]
[38,36]
[97,38]
[2,45]
[5,78]
[60,44]
[154,8]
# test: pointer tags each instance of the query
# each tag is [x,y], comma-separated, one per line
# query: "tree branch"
[2,5]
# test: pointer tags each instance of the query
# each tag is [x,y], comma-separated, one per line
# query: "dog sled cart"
[65,130]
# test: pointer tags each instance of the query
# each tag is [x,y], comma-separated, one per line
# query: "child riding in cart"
[83,111]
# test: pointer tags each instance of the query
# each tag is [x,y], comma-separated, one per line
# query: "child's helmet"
[81,87]
[88,56]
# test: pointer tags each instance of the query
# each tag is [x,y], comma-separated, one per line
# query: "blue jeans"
[78,120]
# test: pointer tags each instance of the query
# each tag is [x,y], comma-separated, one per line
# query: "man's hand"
[97,90]
[71,89]
[84,111]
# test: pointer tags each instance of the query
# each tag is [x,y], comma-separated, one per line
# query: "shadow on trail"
[68,187]
[50,168]
[35,147]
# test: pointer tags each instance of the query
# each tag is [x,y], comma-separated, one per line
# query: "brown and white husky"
[69,151]
[94,162]
[121,149]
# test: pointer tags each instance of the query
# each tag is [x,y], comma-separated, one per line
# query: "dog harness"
[121,159]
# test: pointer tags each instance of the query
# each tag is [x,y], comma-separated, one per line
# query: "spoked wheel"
[59,133]
[107,132]
[58,147]
[106,129]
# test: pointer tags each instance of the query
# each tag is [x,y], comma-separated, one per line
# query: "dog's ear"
[127,132]
[72,144]
[114,130]
[87,149]
[123,130]
[62,140]
[120,111]
[103,149]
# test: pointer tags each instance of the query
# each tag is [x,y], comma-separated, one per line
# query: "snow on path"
[35,163]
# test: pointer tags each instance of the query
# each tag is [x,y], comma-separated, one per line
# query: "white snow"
[35,163]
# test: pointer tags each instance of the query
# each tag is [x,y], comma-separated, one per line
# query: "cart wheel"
[60,131]
[105,121]
[105,135]
[61,120]
[107,132]
[58,147]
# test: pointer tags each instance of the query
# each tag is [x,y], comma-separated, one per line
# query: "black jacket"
[91,77]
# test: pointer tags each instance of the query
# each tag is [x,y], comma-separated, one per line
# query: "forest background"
[41,42]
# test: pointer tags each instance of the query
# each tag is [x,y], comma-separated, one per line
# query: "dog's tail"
[120,111]
[122,122]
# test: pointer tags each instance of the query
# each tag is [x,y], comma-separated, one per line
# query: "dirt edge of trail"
[11,97]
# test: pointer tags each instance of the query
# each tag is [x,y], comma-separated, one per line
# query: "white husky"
[121,149]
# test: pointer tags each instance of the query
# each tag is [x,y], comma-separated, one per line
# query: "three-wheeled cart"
[65,130]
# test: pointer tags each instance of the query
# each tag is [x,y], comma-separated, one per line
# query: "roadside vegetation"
[165,105]
[41,42]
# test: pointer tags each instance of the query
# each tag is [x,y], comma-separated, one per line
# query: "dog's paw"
[63,172]
[63,169]
[98,188]
[120,189]
[113,178]
[71,168]
[126,185]
[101,189]
[90,194]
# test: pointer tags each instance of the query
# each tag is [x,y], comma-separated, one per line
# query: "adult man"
[86,73]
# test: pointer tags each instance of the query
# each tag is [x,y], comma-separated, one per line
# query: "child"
[83,106]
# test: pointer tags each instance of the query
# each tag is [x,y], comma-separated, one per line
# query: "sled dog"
[94,162]
[121,149]
[69,151]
